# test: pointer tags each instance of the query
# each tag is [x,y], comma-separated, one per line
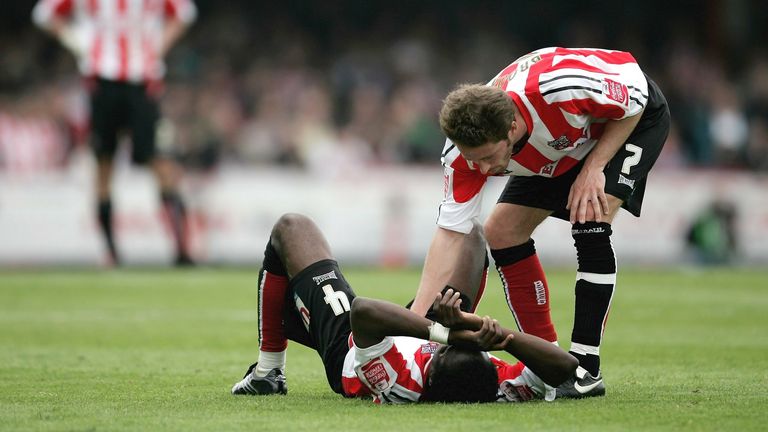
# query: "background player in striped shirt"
[376,348]
[119,46]
[578,131]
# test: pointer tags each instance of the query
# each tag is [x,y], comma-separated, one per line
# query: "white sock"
[269,361]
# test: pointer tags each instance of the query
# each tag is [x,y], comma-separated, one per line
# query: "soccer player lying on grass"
[376,348]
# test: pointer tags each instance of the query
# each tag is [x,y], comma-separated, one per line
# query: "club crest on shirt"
[560,143]
[547,170]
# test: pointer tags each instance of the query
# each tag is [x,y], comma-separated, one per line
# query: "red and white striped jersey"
[395,369]
[31,145]
[565,96]
[118,40]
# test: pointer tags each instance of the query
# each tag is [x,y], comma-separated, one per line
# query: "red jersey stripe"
[466,183]
[93,7]
[577,64]
[612,57]
[531,159]
[122,46]
[523,110]
[590,107]
[170,9]
[63,8]
[565,164]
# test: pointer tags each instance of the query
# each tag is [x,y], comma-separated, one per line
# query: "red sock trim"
[527,293]
[271,306]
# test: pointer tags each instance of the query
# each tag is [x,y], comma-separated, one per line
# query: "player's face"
[490,158]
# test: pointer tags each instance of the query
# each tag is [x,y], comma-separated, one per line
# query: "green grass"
[159,350]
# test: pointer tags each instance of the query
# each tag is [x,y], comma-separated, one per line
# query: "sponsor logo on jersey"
[615,91]
[516,393]
[560,143]
[625,181]
[376,375]
[587,231]
[430,348]
[446,183]
[324,277]
[541,293]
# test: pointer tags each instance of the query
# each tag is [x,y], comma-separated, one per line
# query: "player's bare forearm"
[447,311]
[372,320]
[548,361]
[614,136]
[174,29]
[438,267]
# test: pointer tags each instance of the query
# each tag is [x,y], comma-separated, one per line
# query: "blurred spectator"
[727,125]
[33,137]
[285,83]
[712,234]
[757,114]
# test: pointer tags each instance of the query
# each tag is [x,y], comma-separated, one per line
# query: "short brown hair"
[474,114]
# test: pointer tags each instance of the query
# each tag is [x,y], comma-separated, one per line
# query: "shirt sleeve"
[46,10]
[599,83]
[385,371]
[517,383]
[182,10]
[462,194]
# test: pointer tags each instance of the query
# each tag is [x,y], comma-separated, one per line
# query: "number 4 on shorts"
[336,299]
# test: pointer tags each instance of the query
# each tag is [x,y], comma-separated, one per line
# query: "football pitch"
[159,350]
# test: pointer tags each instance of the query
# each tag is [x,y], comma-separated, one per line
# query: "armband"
[439,333]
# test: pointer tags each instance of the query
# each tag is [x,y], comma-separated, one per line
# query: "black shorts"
[625,174]
[322,299]
[119,106]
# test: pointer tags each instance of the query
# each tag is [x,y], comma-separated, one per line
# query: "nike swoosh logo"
[587,388]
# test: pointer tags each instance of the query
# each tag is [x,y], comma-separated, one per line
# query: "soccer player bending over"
[376,348]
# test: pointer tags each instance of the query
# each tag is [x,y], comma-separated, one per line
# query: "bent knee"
[503,235]
[289,224]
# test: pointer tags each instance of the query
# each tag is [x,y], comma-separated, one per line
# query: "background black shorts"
[322,295]
[119,106]
[625,174]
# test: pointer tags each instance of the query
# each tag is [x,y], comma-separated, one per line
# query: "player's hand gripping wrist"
[489,337]
[448,312]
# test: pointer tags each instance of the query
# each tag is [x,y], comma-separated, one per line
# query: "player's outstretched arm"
[373,320]
[548,361]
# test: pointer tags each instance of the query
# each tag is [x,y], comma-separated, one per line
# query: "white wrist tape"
[439,333]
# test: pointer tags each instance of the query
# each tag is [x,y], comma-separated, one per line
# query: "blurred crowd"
[349,85]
